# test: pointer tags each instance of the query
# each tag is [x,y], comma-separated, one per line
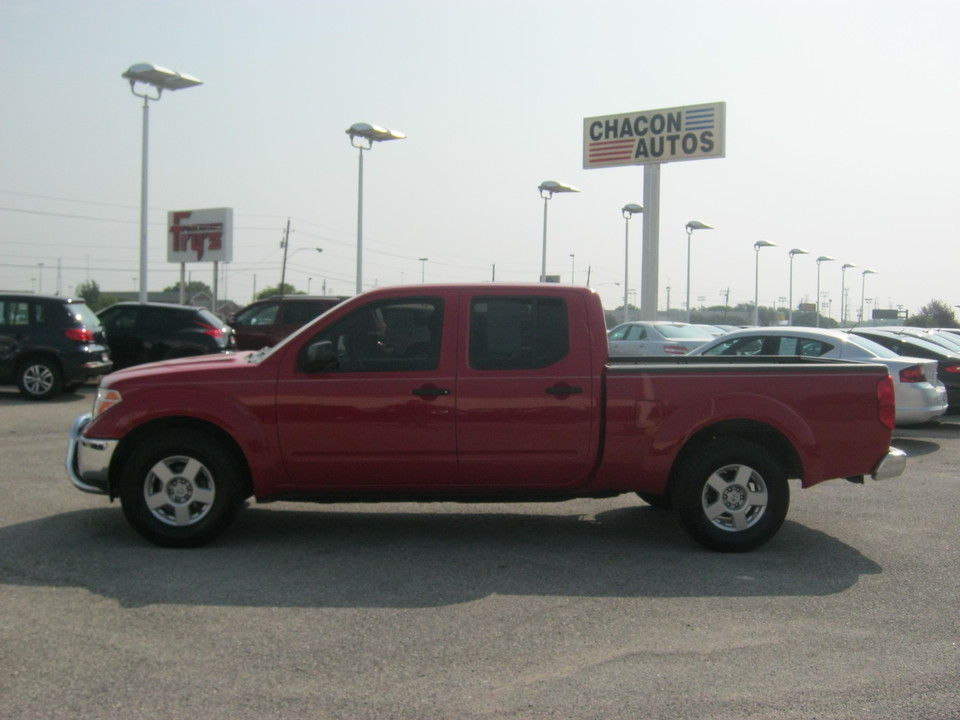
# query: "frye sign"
[200,235]
[693,132]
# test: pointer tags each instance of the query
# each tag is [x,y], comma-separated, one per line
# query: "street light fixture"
[843,292]
[628,210]
[283,269]
[362,137]
[756,277]
[547,188]
[691,226]
[821,259]
[160,78]
[795,251]
[863,289]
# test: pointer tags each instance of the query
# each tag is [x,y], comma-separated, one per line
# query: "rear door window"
[804,347]
[518,333]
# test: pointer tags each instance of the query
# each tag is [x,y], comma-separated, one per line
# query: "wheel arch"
[166,424]
[40,354]
[761,433]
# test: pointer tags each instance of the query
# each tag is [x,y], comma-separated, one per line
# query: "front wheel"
[181,489]
[732,495]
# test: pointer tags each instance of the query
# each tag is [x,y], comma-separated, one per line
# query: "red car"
[267,322]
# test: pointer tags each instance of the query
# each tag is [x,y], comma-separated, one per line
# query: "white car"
[920,396]
[657,337]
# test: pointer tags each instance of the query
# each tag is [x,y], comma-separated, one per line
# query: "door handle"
[564,390]
[431,391]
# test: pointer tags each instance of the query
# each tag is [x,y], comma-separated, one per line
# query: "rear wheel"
[181,489]
[39,378]
[732,495]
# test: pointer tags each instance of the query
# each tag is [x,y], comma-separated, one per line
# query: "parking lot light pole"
[628,210]
[160,79]
[821,259]
[863,291]
[795,251]
[691,226]
[362,137]
[547,188]
[756,277]
[843,291]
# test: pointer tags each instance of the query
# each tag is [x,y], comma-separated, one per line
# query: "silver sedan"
[920,396]
[656,338]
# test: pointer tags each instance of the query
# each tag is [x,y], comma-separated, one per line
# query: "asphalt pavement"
[582,609]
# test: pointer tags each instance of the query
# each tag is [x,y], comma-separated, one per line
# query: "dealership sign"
[200,235]
[693,132]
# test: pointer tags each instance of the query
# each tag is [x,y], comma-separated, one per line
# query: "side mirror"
[320,357]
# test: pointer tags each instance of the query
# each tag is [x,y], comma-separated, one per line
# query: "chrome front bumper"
[88,460]
[891,466]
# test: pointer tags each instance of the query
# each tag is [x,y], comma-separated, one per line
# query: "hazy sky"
[839,141]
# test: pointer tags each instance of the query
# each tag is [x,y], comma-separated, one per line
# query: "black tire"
[731,495]
[39,378]
[181,489]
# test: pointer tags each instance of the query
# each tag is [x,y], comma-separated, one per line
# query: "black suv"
[146,332]
[267,322]
[49,344]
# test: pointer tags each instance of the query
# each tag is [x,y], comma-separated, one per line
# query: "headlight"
[106,399]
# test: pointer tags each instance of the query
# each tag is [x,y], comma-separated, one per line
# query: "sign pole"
[650,271]
[651,138]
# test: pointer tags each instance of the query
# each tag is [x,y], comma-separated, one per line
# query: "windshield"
[675,332]
[873,348]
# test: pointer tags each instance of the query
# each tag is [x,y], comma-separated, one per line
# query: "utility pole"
[283,271]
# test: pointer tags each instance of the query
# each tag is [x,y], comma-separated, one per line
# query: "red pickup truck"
[477,393]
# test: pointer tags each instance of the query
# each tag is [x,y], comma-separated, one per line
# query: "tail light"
[912,374]
[84,335]
[886,402]
[952,369]
[675,349]
[210,330]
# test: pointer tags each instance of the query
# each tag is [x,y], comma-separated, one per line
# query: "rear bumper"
[892,465]
[924,402]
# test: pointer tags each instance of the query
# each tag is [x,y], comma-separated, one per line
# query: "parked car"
[146,332]
[948,362]
[921,397]
[938,337]
[49,344]
[266,322]
[656,337]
